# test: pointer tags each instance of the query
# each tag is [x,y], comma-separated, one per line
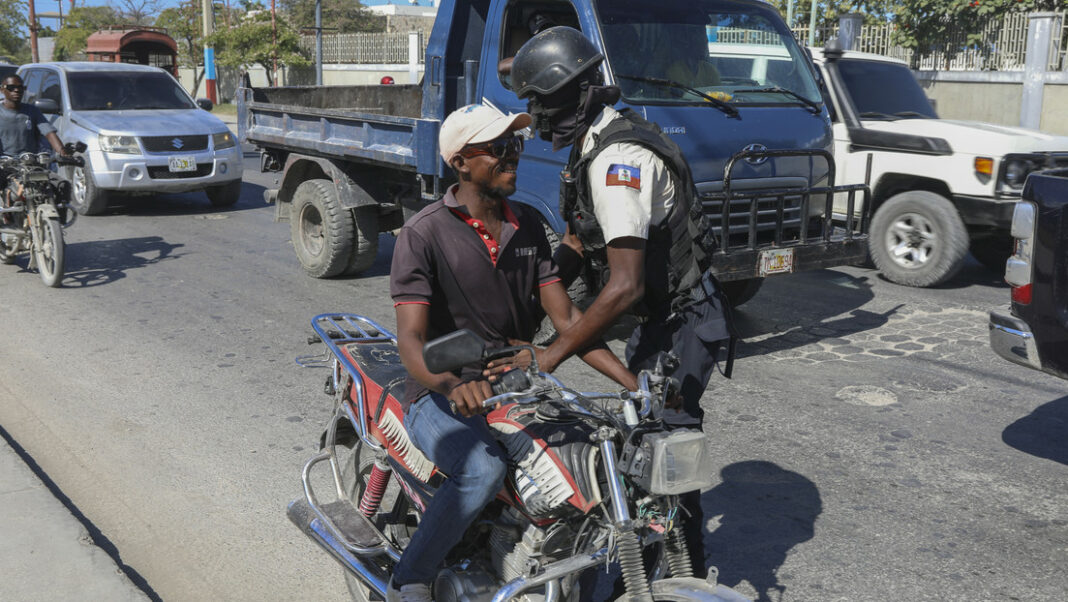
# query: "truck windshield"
[882,90]
[131,90]
[738,53]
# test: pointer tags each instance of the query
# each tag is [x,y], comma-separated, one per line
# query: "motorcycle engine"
[456,584]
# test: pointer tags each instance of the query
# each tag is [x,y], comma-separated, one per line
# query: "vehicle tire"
[85,197]
[365,236]
[321,229]
[392,504]
[993,251]
[546,332]
[918,239]
[740,291]
[224,195]
[49,252]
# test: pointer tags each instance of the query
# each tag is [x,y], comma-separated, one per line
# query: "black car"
[1035,331]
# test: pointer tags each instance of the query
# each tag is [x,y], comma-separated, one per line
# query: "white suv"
[145,134]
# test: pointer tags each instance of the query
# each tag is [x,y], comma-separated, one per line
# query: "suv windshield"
[130,90]
[882,90]
[677,51]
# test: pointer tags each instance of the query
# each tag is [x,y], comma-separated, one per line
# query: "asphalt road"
[869,447]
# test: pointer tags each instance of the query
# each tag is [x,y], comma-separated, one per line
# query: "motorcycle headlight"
[680,462]
[223,140]
[119,144]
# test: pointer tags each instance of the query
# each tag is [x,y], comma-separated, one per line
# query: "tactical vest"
[682,242]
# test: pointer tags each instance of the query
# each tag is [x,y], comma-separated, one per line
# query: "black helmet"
[551,59]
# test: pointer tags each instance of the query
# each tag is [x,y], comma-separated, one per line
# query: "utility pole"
[790,14]
[812,25]
[318,42]
[209,52]
[33,33]
[274,48]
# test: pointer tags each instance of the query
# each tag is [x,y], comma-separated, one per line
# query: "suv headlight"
[223,140]
[119,144]
[1016,172]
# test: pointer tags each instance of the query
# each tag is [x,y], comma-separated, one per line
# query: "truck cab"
[940,187]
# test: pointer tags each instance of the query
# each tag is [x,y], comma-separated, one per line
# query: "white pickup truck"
[939,186]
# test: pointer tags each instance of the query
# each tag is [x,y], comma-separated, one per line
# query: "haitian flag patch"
[624,175]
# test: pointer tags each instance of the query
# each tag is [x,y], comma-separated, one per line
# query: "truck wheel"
[85,197]
[993,251]
[321,229]
[740,291]
[918,239]
[546,333]
[224,195]
[365,248]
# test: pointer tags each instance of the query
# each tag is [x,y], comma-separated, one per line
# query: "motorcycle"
[593,478]
[33,221]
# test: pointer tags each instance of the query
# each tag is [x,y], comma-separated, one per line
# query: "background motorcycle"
[33,222]
[593,479]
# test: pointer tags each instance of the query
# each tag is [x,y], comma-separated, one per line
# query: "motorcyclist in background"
[21,129]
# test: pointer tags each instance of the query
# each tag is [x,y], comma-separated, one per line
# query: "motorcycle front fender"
[46,211]
[691,589]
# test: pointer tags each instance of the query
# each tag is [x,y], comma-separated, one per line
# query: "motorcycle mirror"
[453,351]
[79,147]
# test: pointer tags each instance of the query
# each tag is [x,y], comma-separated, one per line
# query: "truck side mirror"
[205,103]
[47,106]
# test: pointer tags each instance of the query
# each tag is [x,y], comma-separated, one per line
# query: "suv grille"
[162,172]
[175,144]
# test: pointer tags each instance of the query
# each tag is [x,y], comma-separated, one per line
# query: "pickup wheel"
[321,229]
[85,197]
[224,195]
[546,333]
[740,291]
[365,234]
[993,251]
[918,239]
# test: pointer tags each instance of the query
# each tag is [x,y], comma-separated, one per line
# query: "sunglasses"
[499,148]
[14,88]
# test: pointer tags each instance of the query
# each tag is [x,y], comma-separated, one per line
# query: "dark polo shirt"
[447,260]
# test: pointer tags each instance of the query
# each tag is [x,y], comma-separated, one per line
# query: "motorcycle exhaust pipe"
[301,515]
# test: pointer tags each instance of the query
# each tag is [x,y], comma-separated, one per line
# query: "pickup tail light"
[1018,269]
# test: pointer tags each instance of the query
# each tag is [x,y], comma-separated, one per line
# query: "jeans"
[466,451]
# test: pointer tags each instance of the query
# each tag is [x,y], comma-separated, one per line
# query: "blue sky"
[53,5]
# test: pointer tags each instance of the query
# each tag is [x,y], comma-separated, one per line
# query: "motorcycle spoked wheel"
[394,504]
[48,250]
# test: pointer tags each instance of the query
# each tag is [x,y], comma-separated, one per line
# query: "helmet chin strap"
[567,124]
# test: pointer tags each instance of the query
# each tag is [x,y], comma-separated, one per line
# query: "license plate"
[182,163]
[776,261]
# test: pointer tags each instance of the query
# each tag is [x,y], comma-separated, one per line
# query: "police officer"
[629,199]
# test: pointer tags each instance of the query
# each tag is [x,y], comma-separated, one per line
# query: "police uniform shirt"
[22,130]
[630,186]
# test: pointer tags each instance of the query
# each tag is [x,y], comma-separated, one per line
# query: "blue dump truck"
[724,78]
[1034,331]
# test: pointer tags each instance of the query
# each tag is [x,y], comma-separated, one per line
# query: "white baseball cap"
[476,123]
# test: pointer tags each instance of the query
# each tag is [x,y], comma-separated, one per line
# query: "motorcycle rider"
[21,129]
[634,229]
[470,260]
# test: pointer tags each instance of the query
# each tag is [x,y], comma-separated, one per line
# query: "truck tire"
[993,251]
[365,235]
[224,195]
[918,239]
[85,197]
[546,333]
[740,291]
[321,229]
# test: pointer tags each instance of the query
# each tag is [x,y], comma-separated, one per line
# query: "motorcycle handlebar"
[75,161]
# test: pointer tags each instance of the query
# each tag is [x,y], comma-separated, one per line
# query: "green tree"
[79,25]
[344,16]
[12,21]
[249,41]
[927,24]
[183,23]
[827,11]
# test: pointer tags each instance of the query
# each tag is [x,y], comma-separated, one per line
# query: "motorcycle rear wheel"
[48,249]
[355,470]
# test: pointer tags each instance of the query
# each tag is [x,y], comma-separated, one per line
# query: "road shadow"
[101,262]
[1042,433]
[764,510]
[185,203]
[972,274]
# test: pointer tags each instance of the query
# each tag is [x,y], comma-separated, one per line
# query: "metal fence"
[364,48]
[1003,46]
